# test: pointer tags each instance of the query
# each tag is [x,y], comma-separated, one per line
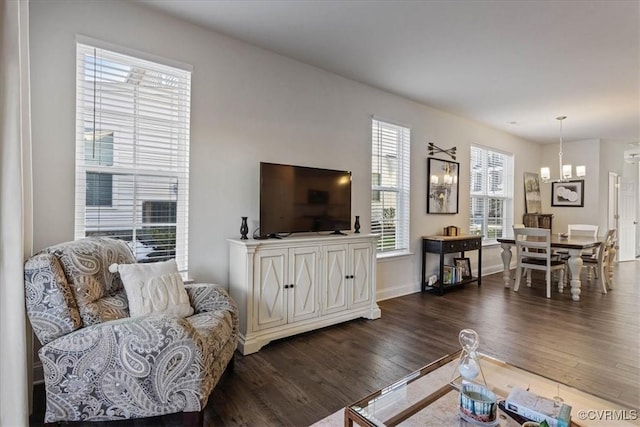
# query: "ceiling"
[513,65]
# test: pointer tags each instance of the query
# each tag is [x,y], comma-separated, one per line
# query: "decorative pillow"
[154,288]
[99,294]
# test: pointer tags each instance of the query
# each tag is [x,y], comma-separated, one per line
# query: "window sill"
[390,256]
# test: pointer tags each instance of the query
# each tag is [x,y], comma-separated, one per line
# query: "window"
[390,147]
[491,207]
[99,189]
[132,152]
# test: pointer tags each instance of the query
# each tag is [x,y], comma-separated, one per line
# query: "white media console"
[296,284]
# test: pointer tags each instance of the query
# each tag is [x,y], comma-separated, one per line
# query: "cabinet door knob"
[291,285]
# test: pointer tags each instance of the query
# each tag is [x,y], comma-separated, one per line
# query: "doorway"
[626,210]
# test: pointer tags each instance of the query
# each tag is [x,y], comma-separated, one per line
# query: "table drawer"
[460,245]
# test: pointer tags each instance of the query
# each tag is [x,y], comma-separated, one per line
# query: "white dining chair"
[533,248]
[578,230]
[586,230]
[598,263]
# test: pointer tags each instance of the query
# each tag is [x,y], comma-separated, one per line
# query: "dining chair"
[598,263]
[586,230]
[533,248]
[577,230]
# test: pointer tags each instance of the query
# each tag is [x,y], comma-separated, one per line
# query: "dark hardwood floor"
[593,345]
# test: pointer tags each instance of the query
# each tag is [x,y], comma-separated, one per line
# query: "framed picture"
[465,266]
[570,194]
[442,186]
[532,199]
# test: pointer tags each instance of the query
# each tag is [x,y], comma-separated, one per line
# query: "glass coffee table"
[429,396]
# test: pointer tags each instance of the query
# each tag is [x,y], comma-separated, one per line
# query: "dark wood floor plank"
[593,345]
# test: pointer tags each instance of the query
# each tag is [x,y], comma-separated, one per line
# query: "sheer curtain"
[15,211]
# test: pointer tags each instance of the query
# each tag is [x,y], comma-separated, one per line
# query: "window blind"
[390,180]
[491,184]
[132,153]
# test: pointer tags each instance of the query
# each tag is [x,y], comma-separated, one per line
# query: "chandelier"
[565,170]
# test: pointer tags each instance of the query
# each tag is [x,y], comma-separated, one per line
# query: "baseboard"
[492,269]
[397,291]
[407,289]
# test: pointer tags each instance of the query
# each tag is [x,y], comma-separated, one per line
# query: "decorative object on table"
[569,194]
[565,170]
[432,280]
[533,201]
[451,230]
[356,225]
[478,404]
[434,149]
[465,266]
[537,408]
[442,186]
[244,228]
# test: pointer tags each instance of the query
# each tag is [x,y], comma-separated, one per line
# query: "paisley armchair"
[100,364]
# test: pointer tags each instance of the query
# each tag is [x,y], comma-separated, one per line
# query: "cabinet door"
[360,261]
[269,305]
[303,275]
[335,283]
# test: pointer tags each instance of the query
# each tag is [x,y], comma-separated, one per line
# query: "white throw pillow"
[154,288]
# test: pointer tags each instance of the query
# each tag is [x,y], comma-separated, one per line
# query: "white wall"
[575,153]
[248,105]
[600,157]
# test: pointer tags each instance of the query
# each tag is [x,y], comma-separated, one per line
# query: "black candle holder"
[356,225]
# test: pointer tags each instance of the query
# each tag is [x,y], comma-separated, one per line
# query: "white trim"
[388,255]
[100,44]
[389,121]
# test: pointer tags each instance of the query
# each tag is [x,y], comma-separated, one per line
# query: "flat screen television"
[295,199]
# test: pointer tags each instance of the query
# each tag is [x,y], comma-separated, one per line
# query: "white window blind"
[491,207]
[132,153]
[390,148]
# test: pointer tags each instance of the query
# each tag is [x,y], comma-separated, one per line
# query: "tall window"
[491,207]
[132,152]
[390,147]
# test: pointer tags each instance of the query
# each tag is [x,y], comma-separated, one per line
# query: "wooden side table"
[446,245]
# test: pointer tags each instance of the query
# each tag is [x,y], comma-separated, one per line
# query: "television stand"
[301,283]
[338,232]
[273,236]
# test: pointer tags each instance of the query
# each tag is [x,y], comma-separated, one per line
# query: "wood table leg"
[575,265]
[506,262]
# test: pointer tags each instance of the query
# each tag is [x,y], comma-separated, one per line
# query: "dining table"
[575,245]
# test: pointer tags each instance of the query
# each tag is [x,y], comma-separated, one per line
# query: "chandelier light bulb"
[545,174]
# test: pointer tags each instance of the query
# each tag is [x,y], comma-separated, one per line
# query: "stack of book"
[451,274]
[537,408]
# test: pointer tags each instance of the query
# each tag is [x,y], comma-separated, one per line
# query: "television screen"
[297,199]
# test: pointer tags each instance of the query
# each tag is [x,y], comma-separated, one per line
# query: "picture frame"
[532,199]
[568,194]
[442,186]
[465,266]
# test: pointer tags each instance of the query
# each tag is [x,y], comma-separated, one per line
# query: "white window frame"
[397,141]
[145,102]
[480,179]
